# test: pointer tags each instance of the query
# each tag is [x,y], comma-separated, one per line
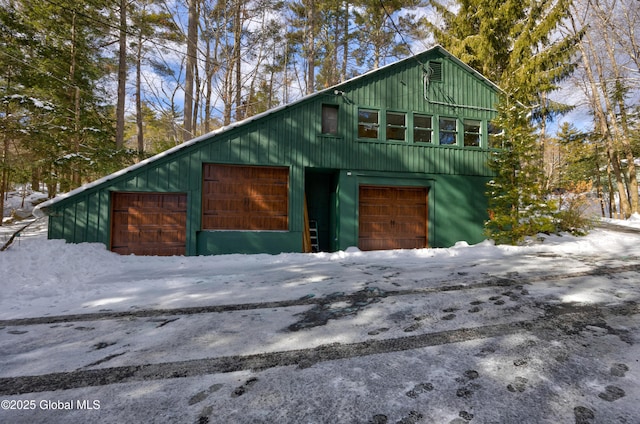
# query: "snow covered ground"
[544,333]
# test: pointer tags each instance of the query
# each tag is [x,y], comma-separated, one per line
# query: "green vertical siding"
[291,137]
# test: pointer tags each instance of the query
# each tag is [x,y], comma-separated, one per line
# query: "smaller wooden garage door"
[392,217]
[149,223]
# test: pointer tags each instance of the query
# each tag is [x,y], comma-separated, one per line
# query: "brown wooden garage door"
[392,217]
[245,197]
[149,223]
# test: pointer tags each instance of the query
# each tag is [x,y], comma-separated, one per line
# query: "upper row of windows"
[398,128]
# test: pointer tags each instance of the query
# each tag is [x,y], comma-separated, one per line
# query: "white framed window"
[472,133]
[448,128]
[396,126]
[422,128]
[368,123]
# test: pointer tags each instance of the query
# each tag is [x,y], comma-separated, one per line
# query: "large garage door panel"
[237,197]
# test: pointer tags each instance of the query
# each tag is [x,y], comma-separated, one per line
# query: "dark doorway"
[320,189]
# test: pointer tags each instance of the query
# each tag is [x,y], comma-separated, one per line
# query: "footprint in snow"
[519,385]
[204,415]
[379,419]
[612,393]
[467,416]
[471,374]
[412,327]
[239,391]
[419,389]
[464,392]
[619,370]
[200,396]
[413,418]
[583,415]
[520,362]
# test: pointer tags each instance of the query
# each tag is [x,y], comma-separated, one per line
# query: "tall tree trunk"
[4,167]
[237,59]
[345,42]
[208,72]
[598,94]
[228,95]
[192,51]
[196,101]
[613,137]
[612,204]
[122,75]
[285,85]
[311,46]
[139,117]
[35,179]
[75,97]
[621,128]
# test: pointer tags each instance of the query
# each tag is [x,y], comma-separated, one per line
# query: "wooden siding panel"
[93,217]
[81,220]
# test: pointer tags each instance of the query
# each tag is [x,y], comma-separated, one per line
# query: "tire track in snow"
[573,318]
[493,281]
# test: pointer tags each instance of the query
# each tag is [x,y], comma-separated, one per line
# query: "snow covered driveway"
[547,333]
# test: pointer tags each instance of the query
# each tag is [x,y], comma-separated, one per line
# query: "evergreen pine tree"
[516,45]
[517,204]
[579,161]
[71,141]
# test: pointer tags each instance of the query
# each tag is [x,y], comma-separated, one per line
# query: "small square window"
[368,123]
[330,119]
[472,133]
[422,128]
[448,131]
[396,126]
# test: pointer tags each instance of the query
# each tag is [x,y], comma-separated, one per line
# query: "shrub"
[573,214]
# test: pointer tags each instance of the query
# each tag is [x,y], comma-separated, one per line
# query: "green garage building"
[394,158]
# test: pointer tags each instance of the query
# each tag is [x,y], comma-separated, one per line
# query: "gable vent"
[435,71]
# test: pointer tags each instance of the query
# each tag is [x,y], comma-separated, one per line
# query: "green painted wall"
[451,219]
[291,136]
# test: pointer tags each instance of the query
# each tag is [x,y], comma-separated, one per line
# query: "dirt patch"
[337,305]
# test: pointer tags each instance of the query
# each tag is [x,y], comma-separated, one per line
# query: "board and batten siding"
[290,137]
